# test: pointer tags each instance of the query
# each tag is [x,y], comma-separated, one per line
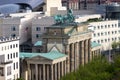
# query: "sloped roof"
[38,43]
[94,44]
[52,55]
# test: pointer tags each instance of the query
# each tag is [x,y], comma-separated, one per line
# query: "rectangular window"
[38,28]
[1,71]
[13,28]
[37,35]
[16,65]
[16,54]
[9,70]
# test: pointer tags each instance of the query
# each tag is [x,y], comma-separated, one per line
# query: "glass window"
[101,34]
[101,41]
[9,70]
[13,28]
[105,40]
[13,35]
[38,28]
[105,26]
[11,46]
[94,35]
[8,56]
[101,27]
[16,45]
[16,54]
[11,55]
[14,66]
[98,34]
[98,27]
[37,35]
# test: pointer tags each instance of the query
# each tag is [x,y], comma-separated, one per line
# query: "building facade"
[105,32]
[9,58]
[72,40]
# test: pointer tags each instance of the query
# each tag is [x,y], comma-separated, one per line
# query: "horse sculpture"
[69,18]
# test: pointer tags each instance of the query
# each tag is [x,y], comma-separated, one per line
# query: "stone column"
[62,68]
[65,67]
[59,70]
[36,70]
[72,58]
[40,71]
[56,71]
[52,72]
[68,59]
[86,49]
[89,50]
[29,72]
[82,54]
[77,56]
[48,77]
[44,75]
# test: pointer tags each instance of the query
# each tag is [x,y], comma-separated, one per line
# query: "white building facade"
[9,58]
[105,33]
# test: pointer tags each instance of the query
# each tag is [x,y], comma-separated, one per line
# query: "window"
[112,39]
[38,28]
[13,55]
[101,41]
[112,32]
[44,28]
[16,45]
[8,56]
[98,34]
[108,33]
[13,35]
[108,26]
[94,35]
[112,25]
[98,27]
[101,27]
[16,54]
[9,70]
[1,71]
[13,28]
[11,46]
[105,26]
[37,35]
[98,41]
[105,40]
[101,34]
[16,65]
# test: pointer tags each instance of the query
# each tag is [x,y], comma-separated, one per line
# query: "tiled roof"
[94,44]
[38,43]
[50,55]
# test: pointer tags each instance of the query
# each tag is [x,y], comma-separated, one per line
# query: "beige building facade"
[64,49]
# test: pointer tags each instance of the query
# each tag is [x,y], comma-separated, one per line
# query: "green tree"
[20,79]
[114,46]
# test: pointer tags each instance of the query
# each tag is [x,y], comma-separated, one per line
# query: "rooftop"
[94,44]
[52,55]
